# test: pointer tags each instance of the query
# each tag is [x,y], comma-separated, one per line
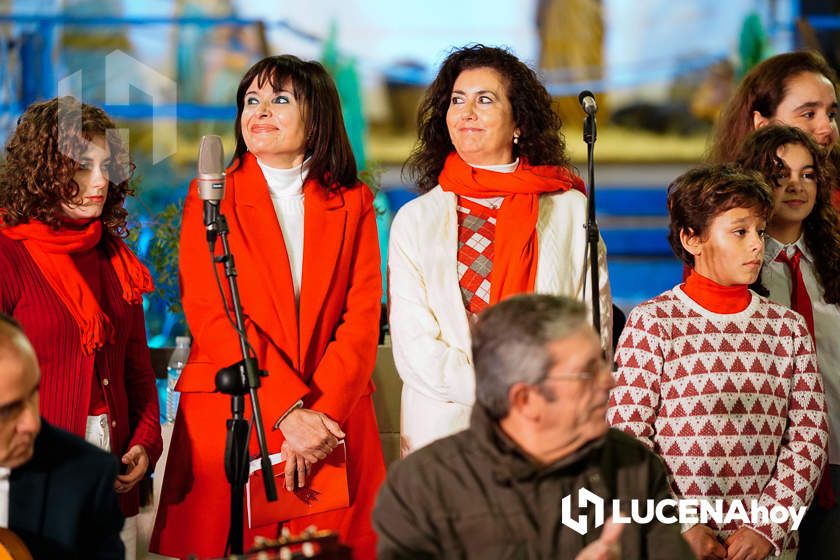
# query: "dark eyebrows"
[812,105]
[10,407]
[594,363]
[480,92]
[88,159]
[252,92]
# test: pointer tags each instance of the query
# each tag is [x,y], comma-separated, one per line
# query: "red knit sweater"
[123,367]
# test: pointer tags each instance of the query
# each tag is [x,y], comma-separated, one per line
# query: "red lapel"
[324,220]
[264,270]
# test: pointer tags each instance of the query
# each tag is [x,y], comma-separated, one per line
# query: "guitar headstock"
[311,543]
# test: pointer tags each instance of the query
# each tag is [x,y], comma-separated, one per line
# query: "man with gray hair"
[538,433]
[56,490]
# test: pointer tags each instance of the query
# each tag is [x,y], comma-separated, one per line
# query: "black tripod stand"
[592,233]
[238,380]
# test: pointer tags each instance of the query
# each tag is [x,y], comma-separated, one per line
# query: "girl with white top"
[802,270]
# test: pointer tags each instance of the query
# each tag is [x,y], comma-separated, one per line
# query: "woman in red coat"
[303,234]
[76,288]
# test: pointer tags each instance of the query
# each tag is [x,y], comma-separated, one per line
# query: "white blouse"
[776,277]
[285,187]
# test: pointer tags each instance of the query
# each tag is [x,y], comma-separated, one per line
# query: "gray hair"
[12,339]
[510,344]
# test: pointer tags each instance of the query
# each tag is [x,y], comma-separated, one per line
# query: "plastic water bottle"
[173,372]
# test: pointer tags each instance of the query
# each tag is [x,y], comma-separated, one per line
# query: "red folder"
[325,490]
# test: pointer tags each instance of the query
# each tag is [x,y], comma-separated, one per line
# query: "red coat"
[325,357]
[123,366]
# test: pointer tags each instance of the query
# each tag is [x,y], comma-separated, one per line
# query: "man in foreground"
[56,490]
[538,434]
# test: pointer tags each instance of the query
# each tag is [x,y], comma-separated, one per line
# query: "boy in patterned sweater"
[720,381]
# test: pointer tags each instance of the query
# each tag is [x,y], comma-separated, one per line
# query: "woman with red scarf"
[69,279]
[303,233]
[500,214]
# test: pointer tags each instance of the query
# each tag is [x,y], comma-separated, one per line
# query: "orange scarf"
[51,249]
[515,260]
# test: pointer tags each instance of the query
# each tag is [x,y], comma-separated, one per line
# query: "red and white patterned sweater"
[733,403]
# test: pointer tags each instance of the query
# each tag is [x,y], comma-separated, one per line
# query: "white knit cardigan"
[430,330]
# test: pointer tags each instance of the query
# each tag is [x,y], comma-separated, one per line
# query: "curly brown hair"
[540,141]
[700,194]
[759,153]
[42,157]
[762,89]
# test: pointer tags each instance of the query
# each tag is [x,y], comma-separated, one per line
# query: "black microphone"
[211,181]
[587,101]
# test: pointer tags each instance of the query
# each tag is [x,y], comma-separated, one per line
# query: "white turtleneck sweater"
[494,201]
[285,186]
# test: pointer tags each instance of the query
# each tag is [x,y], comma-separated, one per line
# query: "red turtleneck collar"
[714,297]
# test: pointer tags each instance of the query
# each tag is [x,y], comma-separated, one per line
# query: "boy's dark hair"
[700,194]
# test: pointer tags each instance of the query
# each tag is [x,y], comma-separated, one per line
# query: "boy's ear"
[690,242]
[759,120]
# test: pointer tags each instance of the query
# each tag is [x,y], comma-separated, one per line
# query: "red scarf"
[51,249]
[714,297]
[515,260]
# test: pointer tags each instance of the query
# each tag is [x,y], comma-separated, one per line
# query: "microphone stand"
[592,232]
[237,380]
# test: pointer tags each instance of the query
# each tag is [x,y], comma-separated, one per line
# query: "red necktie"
[800,302]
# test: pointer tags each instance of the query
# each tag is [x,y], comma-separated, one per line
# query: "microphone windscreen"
[584,94]
[211,155]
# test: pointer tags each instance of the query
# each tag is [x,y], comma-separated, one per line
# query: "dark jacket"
[62,502]
[476,495]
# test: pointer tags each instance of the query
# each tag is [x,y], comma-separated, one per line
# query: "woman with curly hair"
[70,280]
[798,89]
[501,213]
[802,270]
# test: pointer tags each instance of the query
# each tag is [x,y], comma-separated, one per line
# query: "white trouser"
[97,433]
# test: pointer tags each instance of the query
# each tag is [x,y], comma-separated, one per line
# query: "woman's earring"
[516,139]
